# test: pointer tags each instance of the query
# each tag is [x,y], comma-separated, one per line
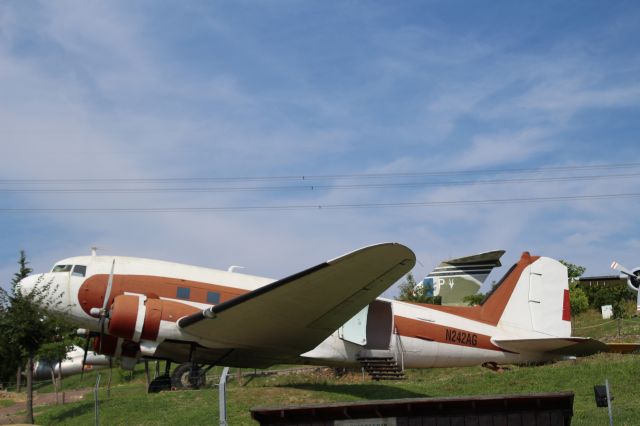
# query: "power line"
[320,206]
[319,177]
[408,185]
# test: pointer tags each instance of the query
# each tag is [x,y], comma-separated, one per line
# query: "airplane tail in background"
[533,296]
[454,279]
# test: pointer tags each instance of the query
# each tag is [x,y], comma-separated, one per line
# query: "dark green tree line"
[411,291]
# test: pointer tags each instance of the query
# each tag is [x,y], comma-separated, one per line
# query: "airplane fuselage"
[415,336]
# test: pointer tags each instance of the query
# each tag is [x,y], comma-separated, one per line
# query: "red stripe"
[566,307]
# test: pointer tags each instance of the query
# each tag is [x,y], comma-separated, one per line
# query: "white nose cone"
[26,285]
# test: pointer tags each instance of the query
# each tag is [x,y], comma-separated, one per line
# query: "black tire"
[184,377]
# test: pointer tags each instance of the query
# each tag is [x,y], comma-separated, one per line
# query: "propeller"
[103,313]
[633,280]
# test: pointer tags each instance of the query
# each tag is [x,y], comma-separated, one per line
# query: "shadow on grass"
[78,409]
[364,391]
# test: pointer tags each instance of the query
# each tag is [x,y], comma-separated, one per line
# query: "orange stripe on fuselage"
[91,292]
[408,327]
[491,310]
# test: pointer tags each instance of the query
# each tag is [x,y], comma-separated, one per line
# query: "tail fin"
[533,296]
[454,279]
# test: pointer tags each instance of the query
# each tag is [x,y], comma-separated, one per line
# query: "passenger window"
[79,271]
[213,297]
[61,268]
[183,293]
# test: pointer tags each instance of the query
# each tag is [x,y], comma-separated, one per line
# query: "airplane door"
[355,330]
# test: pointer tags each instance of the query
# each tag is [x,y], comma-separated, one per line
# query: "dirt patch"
[9,415]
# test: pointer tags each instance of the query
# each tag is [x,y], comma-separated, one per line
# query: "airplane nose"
[27,285]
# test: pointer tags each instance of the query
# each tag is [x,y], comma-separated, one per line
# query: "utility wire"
[320,177]
[407,185]
[319,206]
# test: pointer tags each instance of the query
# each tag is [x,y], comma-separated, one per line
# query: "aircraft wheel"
[184,377]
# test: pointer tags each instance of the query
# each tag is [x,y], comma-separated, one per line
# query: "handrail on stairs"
[399,348]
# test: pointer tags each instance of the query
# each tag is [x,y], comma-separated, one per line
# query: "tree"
[410,291]
[23,272]
[578,299]
[474,299]
[12,359]
[53,353]
[29,320]
[573,271]
[479,298]
[597,295]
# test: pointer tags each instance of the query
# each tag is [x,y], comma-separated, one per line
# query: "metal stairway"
[381,366]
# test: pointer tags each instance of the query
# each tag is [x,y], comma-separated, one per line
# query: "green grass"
[6,403]
[591,324]
[129,404]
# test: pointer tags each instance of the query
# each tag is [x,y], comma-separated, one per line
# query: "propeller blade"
[618,267]
[107,293]
[104,312]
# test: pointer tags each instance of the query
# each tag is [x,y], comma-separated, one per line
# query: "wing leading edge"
[295,314]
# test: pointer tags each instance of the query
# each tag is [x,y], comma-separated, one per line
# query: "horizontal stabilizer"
[569,346]
[489,258]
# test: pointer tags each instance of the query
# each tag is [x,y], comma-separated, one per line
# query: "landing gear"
[161,383]
[188,376]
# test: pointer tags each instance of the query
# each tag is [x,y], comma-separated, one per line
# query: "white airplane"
[196,316]
[75,362]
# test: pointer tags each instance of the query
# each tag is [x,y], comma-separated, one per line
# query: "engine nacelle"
[134,317]
[108,347]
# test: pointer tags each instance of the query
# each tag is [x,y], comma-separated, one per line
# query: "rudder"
[539,301]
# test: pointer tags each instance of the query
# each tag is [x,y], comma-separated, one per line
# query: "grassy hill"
[591,324]
[129,404]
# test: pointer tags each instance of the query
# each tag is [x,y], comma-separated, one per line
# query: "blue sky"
[169,91]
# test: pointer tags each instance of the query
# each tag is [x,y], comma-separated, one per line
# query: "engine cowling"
[109,345]
[134,317]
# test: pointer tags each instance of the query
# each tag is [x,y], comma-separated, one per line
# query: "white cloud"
[107,101]
[499,149]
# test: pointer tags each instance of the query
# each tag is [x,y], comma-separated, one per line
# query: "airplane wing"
[569,346]
[295,314]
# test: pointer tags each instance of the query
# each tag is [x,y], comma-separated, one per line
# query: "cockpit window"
[79,270]
[61,268]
